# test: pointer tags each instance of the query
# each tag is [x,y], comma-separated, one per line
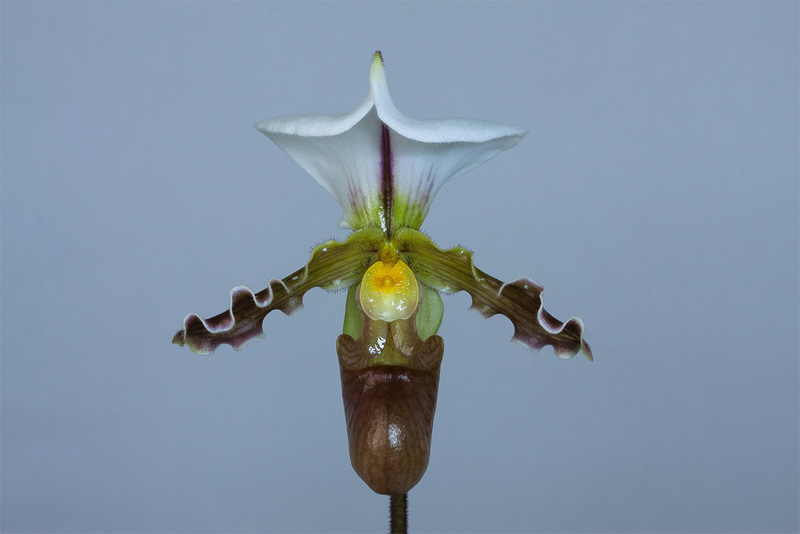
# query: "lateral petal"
[521,300]
[332,266]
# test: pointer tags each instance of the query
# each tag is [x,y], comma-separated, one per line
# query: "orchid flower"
[385,169]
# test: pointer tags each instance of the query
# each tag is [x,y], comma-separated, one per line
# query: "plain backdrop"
[655,195]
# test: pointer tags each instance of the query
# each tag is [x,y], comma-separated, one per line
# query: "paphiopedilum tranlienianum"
[384,169]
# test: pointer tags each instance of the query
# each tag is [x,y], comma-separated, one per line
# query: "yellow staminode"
[389,291]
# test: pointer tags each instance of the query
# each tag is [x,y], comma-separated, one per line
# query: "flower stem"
[398,513]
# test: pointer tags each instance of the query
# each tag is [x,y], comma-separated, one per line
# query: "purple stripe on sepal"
[387,180]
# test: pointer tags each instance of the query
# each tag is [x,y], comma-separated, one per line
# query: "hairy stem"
[398,512]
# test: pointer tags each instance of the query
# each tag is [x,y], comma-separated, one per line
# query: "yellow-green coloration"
[429,313]
[408,214]
[366,212]
[370,212]
[353,320]
[389,290]
[452,271]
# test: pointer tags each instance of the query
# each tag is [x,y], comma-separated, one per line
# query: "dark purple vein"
[387,185]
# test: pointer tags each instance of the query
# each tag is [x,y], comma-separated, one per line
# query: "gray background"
[656,196]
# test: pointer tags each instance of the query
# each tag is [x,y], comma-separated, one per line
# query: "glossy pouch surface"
[389,408]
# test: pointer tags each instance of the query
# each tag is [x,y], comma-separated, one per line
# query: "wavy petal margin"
[521,300]
[332,266]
